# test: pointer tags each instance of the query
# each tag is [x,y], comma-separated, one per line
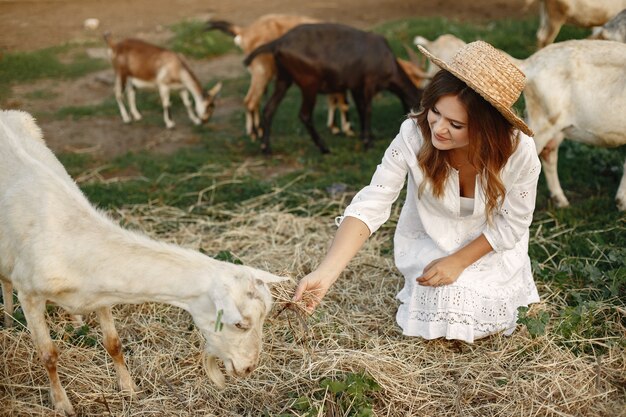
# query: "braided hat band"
[491,74]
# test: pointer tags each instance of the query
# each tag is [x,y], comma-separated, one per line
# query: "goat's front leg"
[549,160]
[363,104]
[280,89]
[113,345]
[261,74]
[34,311]
[330,120]
[184,95]
[164,92]
[132,101]
[120,84]
[7,300]
[306,116]
[620,197]
[550,23]
[344,107]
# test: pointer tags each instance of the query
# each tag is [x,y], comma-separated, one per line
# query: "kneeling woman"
[462,237]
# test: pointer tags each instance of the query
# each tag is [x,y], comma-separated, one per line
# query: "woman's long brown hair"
[491,140]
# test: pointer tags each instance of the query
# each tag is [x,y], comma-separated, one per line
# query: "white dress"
[485,297]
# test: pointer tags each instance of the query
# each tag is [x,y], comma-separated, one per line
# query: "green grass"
[190,39]
[24,67]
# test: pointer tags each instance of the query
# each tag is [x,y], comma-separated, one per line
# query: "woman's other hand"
[441,271]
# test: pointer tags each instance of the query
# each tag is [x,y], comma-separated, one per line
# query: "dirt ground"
[34,24]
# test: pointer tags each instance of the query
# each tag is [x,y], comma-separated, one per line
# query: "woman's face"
[448,124]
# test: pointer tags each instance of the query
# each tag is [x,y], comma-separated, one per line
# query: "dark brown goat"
[329,58]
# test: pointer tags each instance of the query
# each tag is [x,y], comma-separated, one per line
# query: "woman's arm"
[446,270]
[350,237]
[369,209]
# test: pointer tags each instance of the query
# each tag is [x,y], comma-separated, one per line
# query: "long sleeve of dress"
[372,204]
[513,218]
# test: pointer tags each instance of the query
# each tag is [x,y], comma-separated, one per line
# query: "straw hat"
[491,74]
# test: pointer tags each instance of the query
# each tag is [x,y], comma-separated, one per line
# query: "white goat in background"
[142,65]
[574,89]
[56,247]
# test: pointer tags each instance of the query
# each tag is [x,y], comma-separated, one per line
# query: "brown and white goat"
[138,64]
[585,13]
[68,253]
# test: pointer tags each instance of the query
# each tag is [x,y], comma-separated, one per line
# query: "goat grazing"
[56,247]
[263,68]
[574,89]
[138,64]
[330,58]
[585,13]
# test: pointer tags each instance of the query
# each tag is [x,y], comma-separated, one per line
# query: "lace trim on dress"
[464,313]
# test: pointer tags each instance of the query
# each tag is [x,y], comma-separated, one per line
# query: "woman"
[462,237]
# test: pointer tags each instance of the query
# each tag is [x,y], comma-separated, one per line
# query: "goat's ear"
[264,276]
[215,90]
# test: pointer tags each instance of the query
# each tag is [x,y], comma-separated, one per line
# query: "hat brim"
[506,112]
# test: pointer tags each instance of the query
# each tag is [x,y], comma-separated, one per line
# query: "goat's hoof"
[170,126]
[63,407]
[335,130]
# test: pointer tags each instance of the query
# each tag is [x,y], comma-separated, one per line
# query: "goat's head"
[231,319]
[205,107]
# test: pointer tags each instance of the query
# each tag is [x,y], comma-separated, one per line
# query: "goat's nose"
[249,370]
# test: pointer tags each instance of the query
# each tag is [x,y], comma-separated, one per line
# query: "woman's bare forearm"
[350,237]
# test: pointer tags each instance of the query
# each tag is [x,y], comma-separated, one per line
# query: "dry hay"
[353,331]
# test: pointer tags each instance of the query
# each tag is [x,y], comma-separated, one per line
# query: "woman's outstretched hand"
[311,289]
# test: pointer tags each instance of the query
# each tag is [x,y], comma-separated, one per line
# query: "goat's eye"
[241,326]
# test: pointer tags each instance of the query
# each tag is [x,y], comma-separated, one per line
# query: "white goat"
[56,247]
[142,65]
[444,47]
[576,89]
[585,13]
[613,30]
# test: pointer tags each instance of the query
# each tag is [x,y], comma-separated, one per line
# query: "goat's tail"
[266,48]
[224,26]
